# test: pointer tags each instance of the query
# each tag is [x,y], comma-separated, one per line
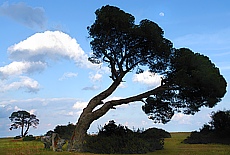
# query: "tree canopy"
[193,81]
[189,80]
[23,119]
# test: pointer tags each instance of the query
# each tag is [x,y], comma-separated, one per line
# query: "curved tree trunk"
[78,138]
[88,115]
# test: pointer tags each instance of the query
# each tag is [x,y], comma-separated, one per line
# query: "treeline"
[216,131]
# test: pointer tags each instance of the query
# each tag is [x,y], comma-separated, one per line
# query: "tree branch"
[97,100]
[111,104]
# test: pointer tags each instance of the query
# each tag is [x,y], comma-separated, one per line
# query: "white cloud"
[95,77]
[147,78]
[16,108]
[68,75]
[18,68]
[182,118]
[34,53]
[80,105]
[25,83]
[122,85]
[32,17]
[32,111]
[49,45]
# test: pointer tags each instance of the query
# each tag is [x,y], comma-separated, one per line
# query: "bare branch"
[111,104]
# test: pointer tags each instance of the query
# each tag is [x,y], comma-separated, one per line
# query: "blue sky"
[44,47]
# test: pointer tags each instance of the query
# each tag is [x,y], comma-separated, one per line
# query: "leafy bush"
[217,131]
[17,137]
[156,133]
[65,131]
[29,138]
[114,138]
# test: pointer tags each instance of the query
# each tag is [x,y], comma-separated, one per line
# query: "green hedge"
[29,138]
[113,139]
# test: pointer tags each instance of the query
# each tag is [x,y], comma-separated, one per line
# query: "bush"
[29,138]
[217,131]
[17,137]
[113,139]
[156,133]
[64,131]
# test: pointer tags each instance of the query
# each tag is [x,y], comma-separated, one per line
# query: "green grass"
[173,146]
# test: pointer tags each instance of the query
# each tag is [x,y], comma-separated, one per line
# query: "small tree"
[217,131]
[221,123]
[23,119]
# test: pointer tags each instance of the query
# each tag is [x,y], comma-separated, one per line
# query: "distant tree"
[190,80]
[24,120]
[221,123]
[216,131]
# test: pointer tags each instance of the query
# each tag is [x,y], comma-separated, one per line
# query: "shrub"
[17,137]
[156,133]
[114,138]
[217,131]
[65,131]
[29,138]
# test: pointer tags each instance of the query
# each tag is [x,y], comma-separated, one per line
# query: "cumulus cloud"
[182,118]
[68,75]
[79,105]
[95,77]
[147,78]
[32,17]
[34,53]
[49,45]
[122,85]
[25,83]
[18,68]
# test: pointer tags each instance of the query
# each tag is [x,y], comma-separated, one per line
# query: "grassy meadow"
[173,146]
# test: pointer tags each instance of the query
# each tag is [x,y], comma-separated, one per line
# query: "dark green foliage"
[158,110]
[29,138]
[65,131]
[217,131]
[192,82]
[124,46]
[114,138]
[221,123]
[49,133]
[155,133]
[17,137]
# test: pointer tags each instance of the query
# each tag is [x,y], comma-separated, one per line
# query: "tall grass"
[173,146]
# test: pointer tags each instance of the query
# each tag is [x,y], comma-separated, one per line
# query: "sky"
[44,46]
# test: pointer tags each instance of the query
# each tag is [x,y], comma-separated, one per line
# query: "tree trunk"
[27,129]
[22,131]
[88,115]
[78,138]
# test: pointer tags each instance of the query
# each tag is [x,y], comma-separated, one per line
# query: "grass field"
[173,146]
